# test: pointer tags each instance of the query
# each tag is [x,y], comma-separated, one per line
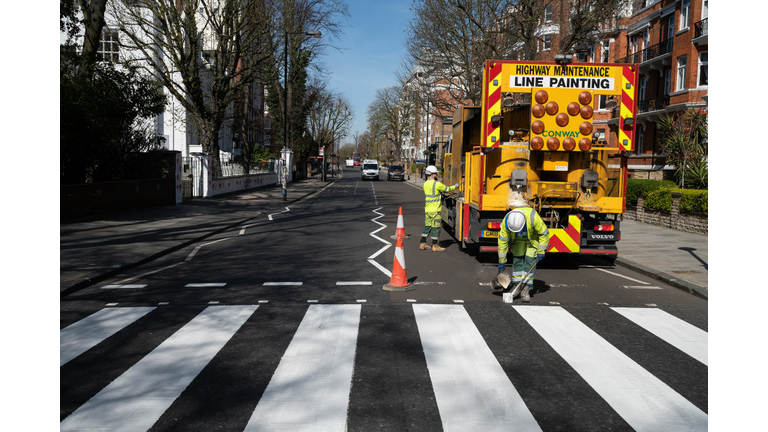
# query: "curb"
[688,287]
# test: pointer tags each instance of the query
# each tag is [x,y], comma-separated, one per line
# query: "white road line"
[388,244]
[126,286]
[310,388]
[137,398]
[83,335]
[676,332]
[284,211]
[354,283]
[283,284]
[471,389]
[205,285]
[197,249]
[131,279]
[644,401]
[242,230]
[622,276]
[375,200]
[642,287]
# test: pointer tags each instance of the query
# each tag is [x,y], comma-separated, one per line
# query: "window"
[109,46]
[548,14]
[605,52]
[547,42]
[685,9]
[671,27]
[703,68]
[667,81]
[639,138]
[681,61]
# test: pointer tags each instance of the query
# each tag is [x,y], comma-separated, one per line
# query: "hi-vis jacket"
[533,240]
[432,189]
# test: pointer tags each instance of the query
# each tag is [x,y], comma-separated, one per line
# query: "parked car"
[396,172]
[370,169]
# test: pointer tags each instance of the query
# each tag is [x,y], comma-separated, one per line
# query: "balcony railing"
[653,51]
[648,105]
[700,28]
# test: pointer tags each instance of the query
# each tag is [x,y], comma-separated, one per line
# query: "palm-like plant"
[683,136]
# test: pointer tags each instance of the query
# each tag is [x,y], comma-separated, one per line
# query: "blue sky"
[372,46]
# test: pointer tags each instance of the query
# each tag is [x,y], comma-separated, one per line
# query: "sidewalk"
[677,258]
[95,249]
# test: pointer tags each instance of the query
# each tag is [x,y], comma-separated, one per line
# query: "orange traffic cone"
[399,280]
[400,232]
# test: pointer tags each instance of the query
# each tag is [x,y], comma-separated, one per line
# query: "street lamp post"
[316,34]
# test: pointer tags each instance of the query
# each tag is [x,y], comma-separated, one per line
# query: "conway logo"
[558,134]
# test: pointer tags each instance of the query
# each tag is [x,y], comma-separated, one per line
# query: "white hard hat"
[431,170]
[515,221]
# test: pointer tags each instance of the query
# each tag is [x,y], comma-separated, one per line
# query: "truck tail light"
[494,225]
[603,227]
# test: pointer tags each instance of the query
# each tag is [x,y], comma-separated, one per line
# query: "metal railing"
[700,28]
[653,51]
[655,104]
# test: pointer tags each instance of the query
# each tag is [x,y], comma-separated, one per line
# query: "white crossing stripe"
[310,388]
[206,285]
[83,335]
[124,286]
[471,389]
[136,399]
[676,332]
[644,401]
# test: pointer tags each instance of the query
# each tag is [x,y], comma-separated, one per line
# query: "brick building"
[669,41]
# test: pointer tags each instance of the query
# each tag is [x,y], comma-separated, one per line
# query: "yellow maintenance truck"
[553,134]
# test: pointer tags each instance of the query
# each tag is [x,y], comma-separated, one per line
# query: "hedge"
[692,200]
[636,187]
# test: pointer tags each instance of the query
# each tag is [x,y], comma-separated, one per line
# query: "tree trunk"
[93,21]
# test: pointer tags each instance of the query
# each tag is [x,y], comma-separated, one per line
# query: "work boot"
[525,295]
[423,246]
[437,248]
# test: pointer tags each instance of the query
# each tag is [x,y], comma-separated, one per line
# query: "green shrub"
[693,201]
[637,187]
[660,199]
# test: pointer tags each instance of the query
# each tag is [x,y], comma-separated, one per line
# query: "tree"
[204,52]
[105,112]
[585,18]
[290,22]
[683,136]
[103,119]
[390,118]
[450,39]
[329,116]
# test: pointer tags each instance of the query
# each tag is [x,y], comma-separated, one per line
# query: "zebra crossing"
[453,367]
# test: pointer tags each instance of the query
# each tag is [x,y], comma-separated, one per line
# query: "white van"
[370,169]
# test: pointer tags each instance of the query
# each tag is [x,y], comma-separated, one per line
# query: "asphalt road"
[236,330]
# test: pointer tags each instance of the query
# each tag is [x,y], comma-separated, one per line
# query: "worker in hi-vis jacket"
[526,237]
[432,208]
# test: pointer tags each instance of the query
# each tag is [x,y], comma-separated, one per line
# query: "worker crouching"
[524,235]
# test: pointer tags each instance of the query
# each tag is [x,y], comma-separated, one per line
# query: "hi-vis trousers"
[520,265]
[432,224]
